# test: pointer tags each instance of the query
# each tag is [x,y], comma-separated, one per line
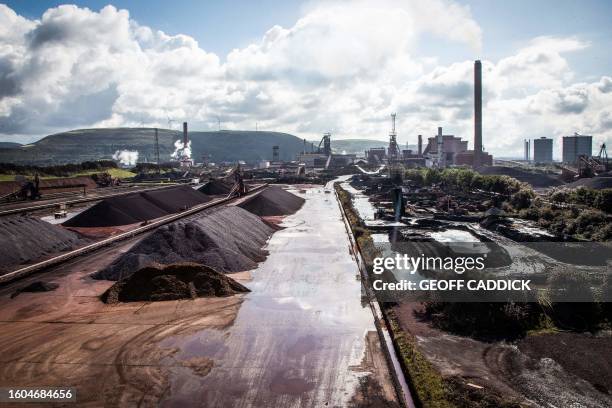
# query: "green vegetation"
[96,169]
[95,144]
[9,170]
[466,180]
[425,380]
[581,213]
[598,199]
[114,172]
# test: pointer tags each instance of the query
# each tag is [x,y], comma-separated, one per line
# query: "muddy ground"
[554,369]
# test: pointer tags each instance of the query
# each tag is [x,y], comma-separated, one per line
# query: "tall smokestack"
[420,145]
[440,147]
[185,137]
[477,113]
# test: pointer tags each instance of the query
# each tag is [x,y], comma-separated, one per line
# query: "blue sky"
[334,66]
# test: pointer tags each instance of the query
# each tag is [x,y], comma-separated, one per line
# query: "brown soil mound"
[216,187]
[536,179]
[228,239]
[274,200]
[596,183]
[172,282]
[138,207]
[25,239]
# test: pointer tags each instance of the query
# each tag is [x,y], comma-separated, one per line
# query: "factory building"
[466,158]
[576,146]
[376,155]
[543,150]
[451,145]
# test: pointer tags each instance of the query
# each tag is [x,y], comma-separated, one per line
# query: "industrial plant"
[242,268]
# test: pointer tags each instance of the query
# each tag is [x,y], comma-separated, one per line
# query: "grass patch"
[115,173]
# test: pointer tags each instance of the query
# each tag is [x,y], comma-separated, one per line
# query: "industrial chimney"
[440,148]
[185,137]
[420,145]
[477,113]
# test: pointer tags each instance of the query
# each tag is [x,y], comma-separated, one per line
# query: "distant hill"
[94,144]
[9,145]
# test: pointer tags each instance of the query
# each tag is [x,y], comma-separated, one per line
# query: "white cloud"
[343,66]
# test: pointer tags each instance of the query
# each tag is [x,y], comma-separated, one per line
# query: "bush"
[531,213]
[522,198]
[573,302]
[603,200]
[485,320]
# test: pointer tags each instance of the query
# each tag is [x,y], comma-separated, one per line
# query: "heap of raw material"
[227,239]
[172,282]
[274,200]
[597,183]
[37,286]
[138,207]
[216,187]
[536,179]
[26,239]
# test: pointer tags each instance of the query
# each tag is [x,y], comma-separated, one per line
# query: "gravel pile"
[138,207]
[596,183]
[25,239]
[227,239]
[172,282]
[273,201]
[536,179]
[216,187]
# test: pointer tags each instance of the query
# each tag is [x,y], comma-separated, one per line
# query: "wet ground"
[301,338]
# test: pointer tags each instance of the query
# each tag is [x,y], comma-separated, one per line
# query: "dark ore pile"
[138,207]
[273,201]
[25,239]
[171,282]
[227,239]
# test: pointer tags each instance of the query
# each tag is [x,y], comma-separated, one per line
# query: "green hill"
[9,145]
[94,144]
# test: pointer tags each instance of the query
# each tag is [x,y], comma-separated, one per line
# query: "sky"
[308,67]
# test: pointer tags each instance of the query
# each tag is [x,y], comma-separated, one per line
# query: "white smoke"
[126,157]
[181,151]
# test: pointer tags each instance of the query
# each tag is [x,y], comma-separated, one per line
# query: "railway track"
[57,201]
[57,260]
